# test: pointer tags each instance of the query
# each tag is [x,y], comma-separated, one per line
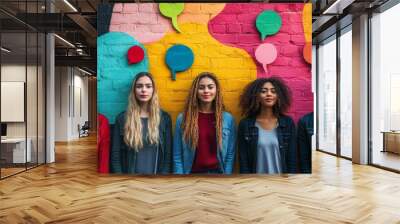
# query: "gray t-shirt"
[268,155]
[147,156]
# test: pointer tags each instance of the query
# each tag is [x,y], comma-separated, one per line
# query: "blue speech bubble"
[179,58]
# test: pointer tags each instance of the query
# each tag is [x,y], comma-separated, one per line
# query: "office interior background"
[48,90]
[357,81]
[48,81]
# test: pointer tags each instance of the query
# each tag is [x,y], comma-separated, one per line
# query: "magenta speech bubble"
[266,54]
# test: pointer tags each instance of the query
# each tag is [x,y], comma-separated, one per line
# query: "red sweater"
[103,144]
[206,152]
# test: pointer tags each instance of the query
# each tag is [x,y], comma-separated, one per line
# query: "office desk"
[16,147]
[391,141]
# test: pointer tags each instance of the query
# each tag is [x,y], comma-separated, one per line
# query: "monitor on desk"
[3,130]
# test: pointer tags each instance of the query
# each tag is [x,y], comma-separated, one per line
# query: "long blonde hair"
[133,124]
[191,112]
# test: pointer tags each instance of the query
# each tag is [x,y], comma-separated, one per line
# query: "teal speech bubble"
[268,23]
[172,10]
[179,58]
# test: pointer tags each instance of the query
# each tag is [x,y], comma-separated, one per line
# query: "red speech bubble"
[135,55]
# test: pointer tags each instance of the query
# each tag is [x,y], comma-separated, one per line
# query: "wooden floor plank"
[71,191]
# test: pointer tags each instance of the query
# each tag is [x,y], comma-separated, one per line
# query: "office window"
[385,89]
[22,92]
[327,95]
[346,92]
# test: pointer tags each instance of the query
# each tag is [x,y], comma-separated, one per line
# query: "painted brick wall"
[223,38]
[114,74]
[234,68]
[234,26]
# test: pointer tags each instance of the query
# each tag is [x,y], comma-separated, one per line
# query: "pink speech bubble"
[266,54]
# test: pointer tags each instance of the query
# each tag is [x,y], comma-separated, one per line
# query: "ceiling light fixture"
[337,7]
[64,40]
[5,50]
[84,71]
[70,5]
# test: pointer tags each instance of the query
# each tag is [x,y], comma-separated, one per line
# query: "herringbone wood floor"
[70,191]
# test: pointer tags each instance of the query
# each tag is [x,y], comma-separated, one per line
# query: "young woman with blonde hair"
[142,136]
[205,135]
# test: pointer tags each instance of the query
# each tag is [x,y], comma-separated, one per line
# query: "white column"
[50,94]
[360,90]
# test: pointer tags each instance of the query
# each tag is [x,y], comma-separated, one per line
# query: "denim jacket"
[305,130]
[123,158]
[248,140]
[183,153]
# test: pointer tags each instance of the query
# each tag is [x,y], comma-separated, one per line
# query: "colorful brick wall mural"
[237,42]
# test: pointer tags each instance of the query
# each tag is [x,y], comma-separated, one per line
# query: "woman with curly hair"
[142,135]
[205,135]
[266,136]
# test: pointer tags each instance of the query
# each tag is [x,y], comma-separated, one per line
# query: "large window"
[327,95]
[385,89]
[346,92]
[335,137]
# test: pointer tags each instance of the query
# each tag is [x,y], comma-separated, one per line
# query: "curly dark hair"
[250,104]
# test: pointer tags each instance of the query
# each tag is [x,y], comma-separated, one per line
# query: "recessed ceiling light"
[5,50]
[337,7]
[84,71]
[70,5]
[64,40]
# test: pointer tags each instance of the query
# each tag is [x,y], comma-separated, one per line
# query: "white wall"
[70,83]
[61,103]
[33,127]
[13,73]
[80,110]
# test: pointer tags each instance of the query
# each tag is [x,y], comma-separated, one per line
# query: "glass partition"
[13,103]
[22,89]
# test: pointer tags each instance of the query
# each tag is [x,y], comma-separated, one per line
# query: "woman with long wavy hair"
[142,134]
[205,135]
[267,136]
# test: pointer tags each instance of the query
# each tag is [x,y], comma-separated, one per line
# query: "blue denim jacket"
[305,130]
[248,140]
[183,154]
